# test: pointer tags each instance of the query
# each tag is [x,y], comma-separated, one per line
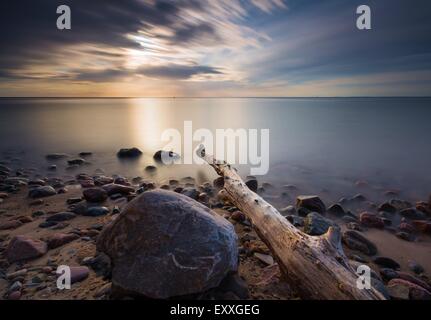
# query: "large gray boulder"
[164,244]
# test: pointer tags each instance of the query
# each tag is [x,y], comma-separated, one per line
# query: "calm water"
[321,145]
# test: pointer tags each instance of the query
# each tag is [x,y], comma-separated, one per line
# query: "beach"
[67,213]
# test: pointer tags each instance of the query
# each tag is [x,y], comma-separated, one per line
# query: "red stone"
[371,220]
[60,239]
[24,248]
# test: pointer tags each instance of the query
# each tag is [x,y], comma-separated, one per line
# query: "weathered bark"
[315,266]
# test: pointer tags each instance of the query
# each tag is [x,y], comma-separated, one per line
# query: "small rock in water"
[218,183]
[166,157]
[313,203]
[412,213]
[337,210]
[356,241]
[316,225]
[25,248]
[387,207]
[85,154]
[358,198]
[150,168]
[42,192]
[252,184]
[129,153]
[371,220]
[76,162]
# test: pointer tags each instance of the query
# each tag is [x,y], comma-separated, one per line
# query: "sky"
[215,48]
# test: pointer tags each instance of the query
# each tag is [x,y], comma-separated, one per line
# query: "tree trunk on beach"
[315,266]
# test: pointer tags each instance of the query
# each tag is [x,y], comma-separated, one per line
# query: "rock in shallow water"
[316,225]
[356,241]
[371,220]
[129,153]
[313,203]
[165,244]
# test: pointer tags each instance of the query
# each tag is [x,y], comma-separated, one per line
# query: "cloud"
[233,47]
[178,72]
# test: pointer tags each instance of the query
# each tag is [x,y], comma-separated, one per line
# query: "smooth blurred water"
[321,144]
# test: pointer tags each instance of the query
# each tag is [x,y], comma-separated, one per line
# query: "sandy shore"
[393,235]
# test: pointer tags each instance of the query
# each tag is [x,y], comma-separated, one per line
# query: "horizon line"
[208,97]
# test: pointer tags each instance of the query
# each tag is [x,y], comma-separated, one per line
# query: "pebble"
[38,213]
[61,216]
[357,241]
[316,225]
[10,225]
[387,207]
[386,263]
[265,258]
[415,267]
[412,213]
[150,168]
[95,195]
[371,220]
[16,274]
[96,211]
[76,162]
[60,239]
[25,248]
[16,295]
[405,236]
[42,192]
[117,188]
[47,224]
[129,153]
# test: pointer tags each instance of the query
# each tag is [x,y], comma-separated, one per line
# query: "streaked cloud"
[214,47]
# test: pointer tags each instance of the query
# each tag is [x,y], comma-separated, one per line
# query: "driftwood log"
[315,266]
